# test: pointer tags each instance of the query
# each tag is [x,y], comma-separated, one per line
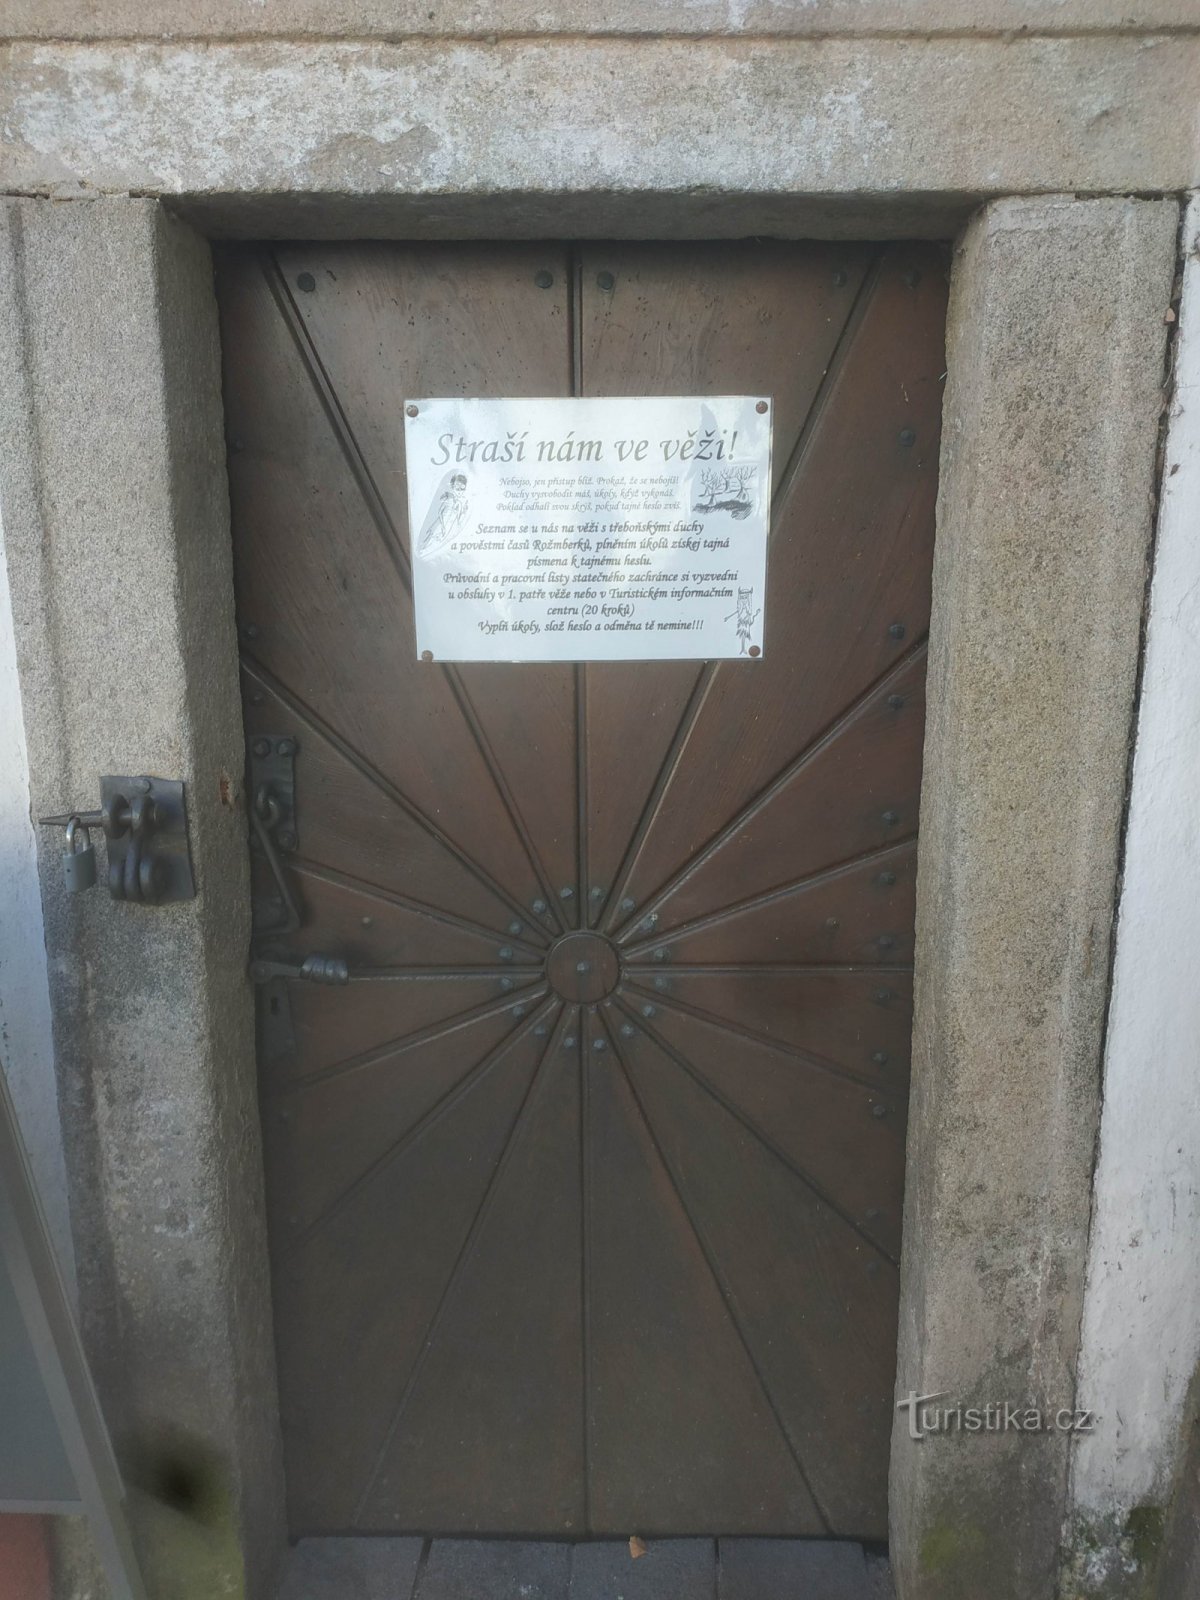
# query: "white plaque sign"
[589,530]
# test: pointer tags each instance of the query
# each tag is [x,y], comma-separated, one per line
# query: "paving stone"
[351,1569]
[791,1569]
[879,1579]
[495,1569]
[671,1569]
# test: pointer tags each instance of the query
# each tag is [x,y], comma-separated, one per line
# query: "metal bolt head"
[650,921]
[262,747]
[518,1011]
[839,278]
[596,892]
[605,281]
[251,630]
[544,279]
[540,907]
[568,1041]
[896,701]
[897,630]
[583,966]
[540,1031]
[880,1058]
[885,941]
[410,411]
[599,1044]
[871,1214]
[514,927]
[879,1109]
[882,996]
[891,818]
[660,983]
[762,408]
[287,840]
[887,879]
[306,283]
[831,923]
[367,921]
[505,953]
[506,984]
[566,892]
[649,1011]
[627,904]
[907,437]
[660,953]
[627,1030]
[286,747]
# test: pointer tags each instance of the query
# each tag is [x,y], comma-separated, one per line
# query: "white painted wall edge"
[26,1039]
[1141,1320]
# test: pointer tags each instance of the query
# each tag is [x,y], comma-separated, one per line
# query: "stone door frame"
[117,533]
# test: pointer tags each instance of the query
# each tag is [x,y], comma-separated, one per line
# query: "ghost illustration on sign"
[747,615]
[446,516]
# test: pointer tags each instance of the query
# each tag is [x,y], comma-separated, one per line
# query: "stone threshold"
[516,1569]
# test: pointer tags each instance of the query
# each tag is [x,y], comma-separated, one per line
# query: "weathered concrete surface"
[1141,1326]
[1055,350]
[597,136]
[332,19]
[116,522]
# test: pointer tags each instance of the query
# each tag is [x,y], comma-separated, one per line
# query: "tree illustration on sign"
[727,488]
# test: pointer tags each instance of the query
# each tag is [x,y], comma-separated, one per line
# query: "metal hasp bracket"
[145,823]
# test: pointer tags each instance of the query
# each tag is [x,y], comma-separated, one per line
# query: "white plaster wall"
[26,1045]
[1141,1325]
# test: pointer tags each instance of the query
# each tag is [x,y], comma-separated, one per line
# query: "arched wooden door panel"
[585,1191]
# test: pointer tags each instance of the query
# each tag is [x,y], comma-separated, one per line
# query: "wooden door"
[585,1191]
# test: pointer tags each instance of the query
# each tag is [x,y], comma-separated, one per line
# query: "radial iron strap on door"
[585,1188]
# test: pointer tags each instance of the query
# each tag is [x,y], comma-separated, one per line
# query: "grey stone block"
[1039,576]
[671,1569]
[791,1569]
[116,527]
[351,1569]
[495,1569]
[924,120]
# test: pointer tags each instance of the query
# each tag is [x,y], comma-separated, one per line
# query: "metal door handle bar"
[321,968]
[313,969]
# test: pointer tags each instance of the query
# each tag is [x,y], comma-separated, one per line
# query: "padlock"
[79,864]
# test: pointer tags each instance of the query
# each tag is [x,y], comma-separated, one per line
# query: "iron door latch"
[271,764]
[144,821]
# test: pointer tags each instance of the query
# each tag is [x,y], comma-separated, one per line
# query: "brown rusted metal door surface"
[585,1191]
